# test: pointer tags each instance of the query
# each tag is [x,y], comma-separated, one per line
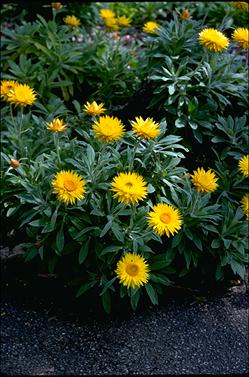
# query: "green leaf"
[110,249]
[31,254]
[53,260]
[238,268]
[134,299]
[106,228]
[215,244]
[84,287]
[60,239]
[90,154]
[106,301]
[108,285]
[160,278]
[152,294]
[84,251]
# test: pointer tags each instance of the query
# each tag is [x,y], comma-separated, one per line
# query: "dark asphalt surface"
[178,337]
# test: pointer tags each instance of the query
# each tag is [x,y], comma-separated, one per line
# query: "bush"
[126,206]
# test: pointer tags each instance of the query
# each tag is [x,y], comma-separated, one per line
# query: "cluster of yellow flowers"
[216,41]
[16,93]
[113,22]
[244,168]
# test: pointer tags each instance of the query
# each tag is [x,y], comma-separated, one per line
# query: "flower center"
[69,185]
[132,269]
[129,184]
[165,218]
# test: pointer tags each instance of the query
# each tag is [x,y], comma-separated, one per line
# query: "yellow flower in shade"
[132,270]
[56,6]
[147,128]
[57,125]
[213,39]
[5,87]
[184,15]
[164,219]
[94,109]
[241,36]
[106,13]
[244,166]
[108,129]
[111,23]
[123,21]
[69,186]
[22,95]
[151,27]
[129,188]
[245,205]
[72,21]
[204,181]
[240,5]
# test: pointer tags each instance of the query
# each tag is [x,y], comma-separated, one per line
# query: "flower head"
[245,205]
[21,94]
[5,87]
[108,129]
[244,166]
[204,181]
[69,186]
[94,109]
[164,219]
[57,125]
[213,40]
[106,13]
[72,21]
[123,21]
[240,5]
[151,27]
[147,128]
[56,6]
[129,188]
[111,23]
[132,270]
[184,15]
[241,36]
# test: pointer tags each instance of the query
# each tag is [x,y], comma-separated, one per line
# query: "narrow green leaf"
[84,251]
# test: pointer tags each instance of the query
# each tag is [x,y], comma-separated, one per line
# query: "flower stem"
[57,146]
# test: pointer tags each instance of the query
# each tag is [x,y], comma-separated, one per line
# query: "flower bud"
[14,163]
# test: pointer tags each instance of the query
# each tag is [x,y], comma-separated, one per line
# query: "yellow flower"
[213,40]
[5,87]
[22,95]
[132,270]
[123,21]
[241,36]
[56,6]
[69,186]
[108,129]
[106,13]
[240,5]
[184,15]
[244,165]
[204,181]
[164,219]
[245,205]
[57,125]
[151,27]
[129,188]
[94,109]
[111,23]
[147,128]
[72,21]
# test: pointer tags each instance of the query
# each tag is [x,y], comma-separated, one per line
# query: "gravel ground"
[179,337]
